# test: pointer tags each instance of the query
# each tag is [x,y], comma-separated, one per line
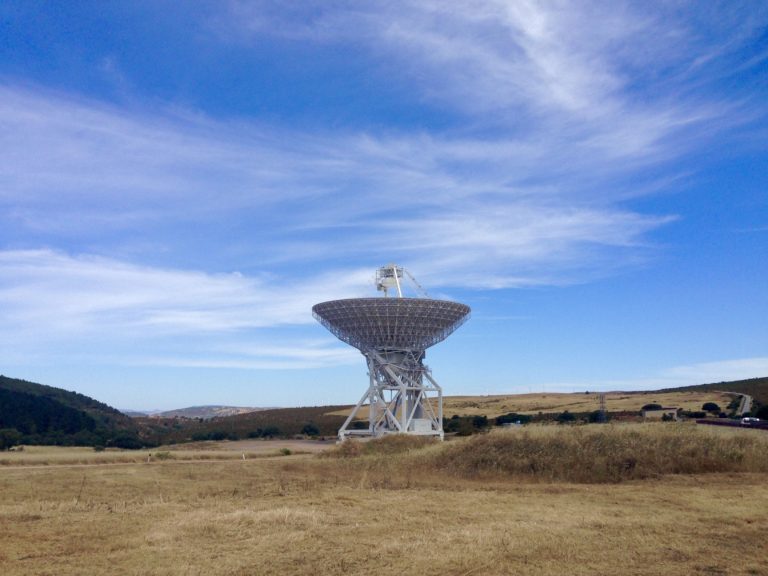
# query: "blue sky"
[180,182]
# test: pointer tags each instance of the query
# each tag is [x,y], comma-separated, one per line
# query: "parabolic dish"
[391,323]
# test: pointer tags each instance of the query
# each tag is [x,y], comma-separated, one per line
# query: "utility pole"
[602,416]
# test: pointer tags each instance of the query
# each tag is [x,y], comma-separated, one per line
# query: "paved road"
[746,405]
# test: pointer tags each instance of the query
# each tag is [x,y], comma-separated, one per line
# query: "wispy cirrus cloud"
[620,80]
[291,354]
[557,117]
[41,288]
[130,314]
[82,173]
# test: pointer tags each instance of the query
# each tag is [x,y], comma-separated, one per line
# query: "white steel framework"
[402,398]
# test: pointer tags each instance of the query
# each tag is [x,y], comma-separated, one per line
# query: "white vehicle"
[750,420]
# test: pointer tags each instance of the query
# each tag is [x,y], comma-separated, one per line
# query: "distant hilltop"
[204,412]
[33,413]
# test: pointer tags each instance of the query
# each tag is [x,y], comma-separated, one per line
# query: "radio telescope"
[393,334]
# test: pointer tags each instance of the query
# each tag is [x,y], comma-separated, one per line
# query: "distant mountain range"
[36,414]
[204,412]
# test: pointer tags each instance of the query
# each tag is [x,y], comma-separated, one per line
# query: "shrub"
[216,435]
[347,449]
[512,418]
[310,430]
[711,407]
[693,414]
[652,406]
[126,441]
[565,417]
[597,416]
[480,422]
[762,412]
[465,425]
[9,437]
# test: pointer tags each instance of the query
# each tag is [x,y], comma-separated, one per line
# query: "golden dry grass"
[78,455]
[586,454]
[493,406]
[611,453]
[615,401]
[306,515]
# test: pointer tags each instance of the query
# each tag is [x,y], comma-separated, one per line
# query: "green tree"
[596,416]
[310,429]
[465,425]
[565,417]
[127,441]
[9,437]
[512,418]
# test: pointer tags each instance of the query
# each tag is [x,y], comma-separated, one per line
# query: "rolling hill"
[755,387]
[269,423]
[326,420]
[37,414]
[205,412]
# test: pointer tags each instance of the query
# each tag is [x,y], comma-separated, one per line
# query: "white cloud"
[297,353]
[85,173]
[51,292]
[614,78]
[560,119]
[519,235]
[93,309]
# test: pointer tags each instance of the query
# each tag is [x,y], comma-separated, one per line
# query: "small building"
[668,413]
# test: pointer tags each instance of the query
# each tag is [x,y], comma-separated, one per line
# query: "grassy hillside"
[37,414]
[100,411]
[205,412]
[579,402]
[755,387]
[326,420]
[555,403]
[590,454]
[62,417]
[277,422]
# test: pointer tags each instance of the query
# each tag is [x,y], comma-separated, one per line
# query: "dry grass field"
[493,406]
[397,508]
[84,456]
[615,401]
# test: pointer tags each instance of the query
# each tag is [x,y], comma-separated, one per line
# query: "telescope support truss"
[402,397]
